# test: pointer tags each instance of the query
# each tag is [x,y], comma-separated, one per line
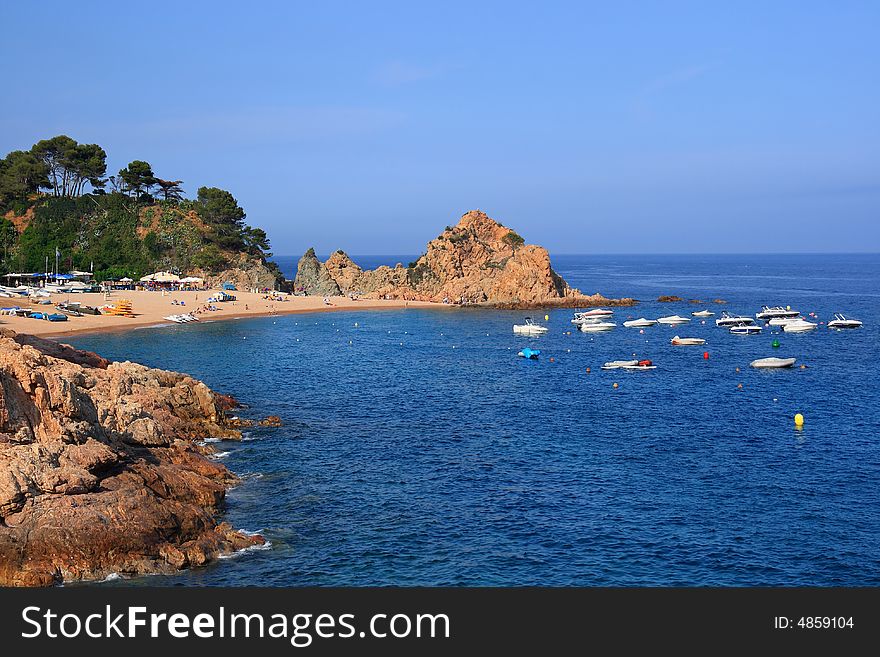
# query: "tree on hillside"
[256,239]
[137,178]
[70,165]
[171,189]
[21,174]
[222,213]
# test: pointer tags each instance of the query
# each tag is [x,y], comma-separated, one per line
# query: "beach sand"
[151,307]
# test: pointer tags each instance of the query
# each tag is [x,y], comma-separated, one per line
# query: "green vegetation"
[55,196]
[513,240]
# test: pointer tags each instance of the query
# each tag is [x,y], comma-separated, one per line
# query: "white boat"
[767,363]
[597,327]
[617,364]
[799,326]
[182,319]
[703,313]
[596,315]
[841,322]
[529,328]
[673,319]
[639,323]
[745,329]
[781,321]
[776,311]
[686,341]
[728,320]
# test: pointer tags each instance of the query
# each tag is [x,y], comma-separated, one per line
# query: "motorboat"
[595,315]
[799,326]
[768,312]
[641,322]
[686,341]
[703,313]
[781,321]
[529,328]
[617,364]
[727,320]
[841,322]
[673,319]
[769,363]
[597,327]
[530,354]
[640,365]
[745,329]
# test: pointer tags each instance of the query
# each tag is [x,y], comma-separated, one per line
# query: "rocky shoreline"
[101,470]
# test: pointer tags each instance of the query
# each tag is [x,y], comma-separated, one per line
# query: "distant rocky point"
[476,262]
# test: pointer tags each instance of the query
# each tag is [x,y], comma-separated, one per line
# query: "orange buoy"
[739,386]
[614,386]
[705,355]
[588,370]
[552,360]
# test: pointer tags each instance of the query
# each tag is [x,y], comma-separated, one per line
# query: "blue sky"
[600,127]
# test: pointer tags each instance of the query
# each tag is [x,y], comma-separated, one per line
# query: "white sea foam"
[112,577]
[250,548]
[220,455]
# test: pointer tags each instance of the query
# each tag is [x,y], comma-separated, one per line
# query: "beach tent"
[126,279]
[192,279]
[161,277]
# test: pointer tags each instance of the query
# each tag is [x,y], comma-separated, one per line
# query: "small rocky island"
[100,469]
[476,262]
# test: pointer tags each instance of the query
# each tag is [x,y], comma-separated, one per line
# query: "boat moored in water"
[529,354]
[597,327]
[745,329]
[799,326]
[674,319]
[727,320]
[686,341]
[639,323]
[841,322]
[529,328]
[703,313]
[770,363]
[768,312]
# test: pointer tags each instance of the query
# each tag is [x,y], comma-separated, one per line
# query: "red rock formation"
[478,261]
[98,469]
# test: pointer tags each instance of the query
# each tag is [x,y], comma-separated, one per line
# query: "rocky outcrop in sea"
[101,470]
[477,261]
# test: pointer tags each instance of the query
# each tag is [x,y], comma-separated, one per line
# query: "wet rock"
[270,421]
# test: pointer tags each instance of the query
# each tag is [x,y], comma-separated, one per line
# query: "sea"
[419,449]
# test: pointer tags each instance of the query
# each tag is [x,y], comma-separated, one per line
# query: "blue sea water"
[419,450]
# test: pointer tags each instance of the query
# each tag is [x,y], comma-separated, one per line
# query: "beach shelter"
[192,279]
[161,277]
[126,279]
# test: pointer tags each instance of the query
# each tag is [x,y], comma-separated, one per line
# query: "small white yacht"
[677,341]
[769,363]
[841,322]
[595,315]
[597,327]
[745,329]
[728,320]
[673,319]
[529,328]
[703,313]
[641,322]
[617,364]
[768,312]
[799,326]
[781,321]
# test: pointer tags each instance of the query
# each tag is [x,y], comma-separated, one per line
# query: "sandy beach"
[150,308]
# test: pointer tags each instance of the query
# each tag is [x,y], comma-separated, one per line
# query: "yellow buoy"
[798,420]
[546,318]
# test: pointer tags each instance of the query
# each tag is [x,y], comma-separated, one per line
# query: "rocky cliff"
[478,261]
[99,469]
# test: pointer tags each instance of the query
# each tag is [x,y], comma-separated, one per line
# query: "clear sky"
[603,127]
